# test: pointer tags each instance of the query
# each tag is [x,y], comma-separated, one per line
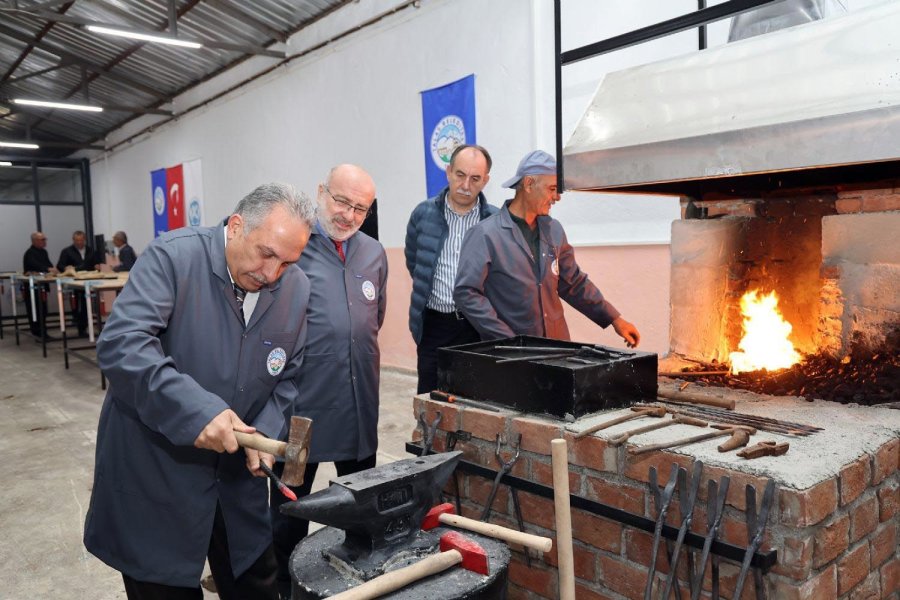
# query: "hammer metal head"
[433,517]
[474,557]
[297,451]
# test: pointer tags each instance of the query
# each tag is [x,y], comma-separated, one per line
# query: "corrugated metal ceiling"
[47,53]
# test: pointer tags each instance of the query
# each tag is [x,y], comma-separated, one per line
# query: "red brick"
[886,460]
[890,577]
[809,506]
[478,489]
[537,510]
[737,488]
[863,519]
[819,587]
[639,548]
[623,577]
[584,561]
[449,414]
[596,531]
[638,467]
[880,203]
[853,568]
[848,205]
[484,424]
[869,589]
[733,531]
[586,593]
[831,541]
[795,557]
[728,577]
[536,433]
[888,502]
[622,496]
[592,452]
[883,544]
[854,478]
[537,578]
[543,473]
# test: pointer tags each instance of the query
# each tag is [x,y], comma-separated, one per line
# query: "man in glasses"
[338,381]
[434,237]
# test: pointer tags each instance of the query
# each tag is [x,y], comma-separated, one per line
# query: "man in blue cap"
[515,266]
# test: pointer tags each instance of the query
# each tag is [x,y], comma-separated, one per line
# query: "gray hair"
[121,235]
[256,206]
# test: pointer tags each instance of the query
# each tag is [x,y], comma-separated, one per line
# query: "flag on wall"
[177,197]
[448,119]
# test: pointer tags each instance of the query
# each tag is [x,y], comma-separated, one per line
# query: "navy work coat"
[497,291]
[177,354]
[338,380]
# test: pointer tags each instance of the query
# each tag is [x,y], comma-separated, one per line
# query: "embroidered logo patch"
[554,267]
[275,361]
[368,290]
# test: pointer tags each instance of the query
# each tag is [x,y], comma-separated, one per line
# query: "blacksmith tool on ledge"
[620,439]
[428,431]
[295,451]
[453,399]
[740,435]
[443,514]
[639,411]
[756,526]
[765,448]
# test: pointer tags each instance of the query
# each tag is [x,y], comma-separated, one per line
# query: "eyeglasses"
[344,204]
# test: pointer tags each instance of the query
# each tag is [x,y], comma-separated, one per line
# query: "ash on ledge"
[540,375]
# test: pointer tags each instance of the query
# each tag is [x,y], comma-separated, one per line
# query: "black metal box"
[555,377]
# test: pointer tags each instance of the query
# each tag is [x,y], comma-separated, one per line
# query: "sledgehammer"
[455,549]
[443,514]
[295,451]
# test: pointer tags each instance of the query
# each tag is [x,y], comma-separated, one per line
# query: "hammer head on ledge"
[380,508]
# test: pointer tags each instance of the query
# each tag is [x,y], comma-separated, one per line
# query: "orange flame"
[765,344]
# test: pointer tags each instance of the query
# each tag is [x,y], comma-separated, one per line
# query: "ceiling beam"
[80,21]
[239,14]
[76,60]
[37,37]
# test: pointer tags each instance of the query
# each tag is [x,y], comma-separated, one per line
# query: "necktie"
[339,246]
[239,294]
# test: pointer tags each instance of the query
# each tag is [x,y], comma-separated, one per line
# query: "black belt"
[453,315]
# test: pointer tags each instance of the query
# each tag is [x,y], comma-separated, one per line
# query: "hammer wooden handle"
[394,580]
[258,441]
[511,536]
[675,396]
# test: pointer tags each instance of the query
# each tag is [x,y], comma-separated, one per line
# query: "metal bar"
[701,31]
[36,73]
[761,560]
[652,32]
[173,18]
[557,52]
[756,418]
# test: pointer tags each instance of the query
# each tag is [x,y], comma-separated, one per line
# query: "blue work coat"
[338,380]
[176,354]
[497,290]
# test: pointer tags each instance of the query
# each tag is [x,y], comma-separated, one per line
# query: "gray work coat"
[177,354]
[496,288]
[338,381]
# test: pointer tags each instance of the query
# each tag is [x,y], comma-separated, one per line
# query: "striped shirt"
[441,298]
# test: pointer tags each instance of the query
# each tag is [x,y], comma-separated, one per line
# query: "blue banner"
[160,209]
[448,120]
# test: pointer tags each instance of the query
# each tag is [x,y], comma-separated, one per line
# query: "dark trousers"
[257,582]
[439,330]
[78,307]
[33,320]
[288,531]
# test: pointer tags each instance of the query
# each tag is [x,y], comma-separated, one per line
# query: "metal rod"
[652,32]
[761,559]
[536,349]
[701,31]
[756,418]
[557,54]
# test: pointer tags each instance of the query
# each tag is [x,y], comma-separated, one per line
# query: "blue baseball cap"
[537,162]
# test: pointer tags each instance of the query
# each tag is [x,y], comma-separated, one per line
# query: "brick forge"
[835,524]
[832,257]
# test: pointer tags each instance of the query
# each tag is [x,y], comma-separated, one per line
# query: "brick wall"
[837,539]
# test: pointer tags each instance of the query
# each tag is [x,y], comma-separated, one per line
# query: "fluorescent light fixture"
[5,163]
[146,37]
[18,145]
[65,105]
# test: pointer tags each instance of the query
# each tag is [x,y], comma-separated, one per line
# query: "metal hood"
[809,106]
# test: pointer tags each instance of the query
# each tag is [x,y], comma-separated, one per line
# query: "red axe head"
[474,558]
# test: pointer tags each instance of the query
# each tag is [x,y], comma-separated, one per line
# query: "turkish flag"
[175,191]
